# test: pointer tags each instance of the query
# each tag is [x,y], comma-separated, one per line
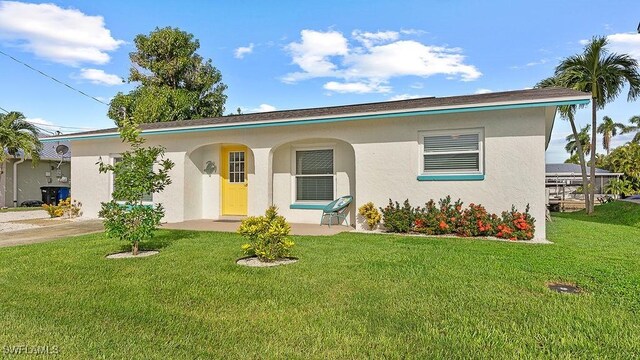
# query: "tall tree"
[604,75]
[609,128]
[568,112]
[634,127]
[174,82]
[582,140]
[16,134]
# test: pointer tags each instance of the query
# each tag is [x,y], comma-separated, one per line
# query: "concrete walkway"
[232,226]
[48,233]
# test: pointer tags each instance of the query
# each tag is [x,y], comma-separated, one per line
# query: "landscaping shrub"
[70,209]
[267,235]
[370,214]
[449,217]
[53,210]
[516,225]
[398,218]
[476,221]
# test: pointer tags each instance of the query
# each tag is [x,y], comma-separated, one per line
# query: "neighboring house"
[564,179]
[51,170]
[486,148]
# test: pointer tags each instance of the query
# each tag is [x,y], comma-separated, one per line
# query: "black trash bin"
[50,194]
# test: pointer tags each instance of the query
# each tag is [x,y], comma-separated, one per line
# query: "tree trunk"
[592,173]
[583,163]
[135,248]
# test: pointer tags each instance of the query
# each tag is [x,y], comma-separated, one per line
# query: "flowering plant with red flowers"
[516,225]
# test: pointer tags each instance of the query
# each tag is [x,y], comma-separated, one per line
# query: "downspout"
[15,181]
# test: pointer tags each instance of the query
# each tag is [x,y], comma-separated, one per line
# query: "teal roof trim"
[327,120]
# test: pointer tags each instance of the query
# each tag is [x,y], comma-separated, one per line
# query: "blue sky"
[295,54]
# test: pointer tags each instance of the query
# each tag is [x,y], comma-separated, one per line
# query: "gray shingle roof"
[570,169]
[49,150]
[517,96]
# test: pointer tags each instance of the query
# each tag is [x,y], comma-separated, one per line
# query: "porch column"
[260,188]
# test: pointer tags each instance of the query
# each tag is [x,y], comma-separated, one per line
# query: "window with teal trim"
[452,152]
[314,175]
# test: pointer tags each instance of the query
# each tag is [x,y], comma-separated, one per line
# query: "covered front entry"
[233,160]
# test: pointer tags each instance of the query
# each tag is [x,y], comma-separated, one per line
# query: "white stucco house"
[485,148]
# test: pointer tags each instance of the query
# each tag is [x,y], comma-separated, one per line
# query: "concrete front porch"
[232,226]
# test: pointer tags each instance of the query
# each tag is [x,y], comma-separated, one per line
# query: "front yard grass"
[350,296]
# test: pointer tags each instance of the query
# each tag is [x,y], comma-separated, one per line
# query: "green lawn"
[350,296]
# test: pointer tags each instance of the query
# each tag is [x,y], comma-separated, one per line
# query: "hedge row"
[446,217]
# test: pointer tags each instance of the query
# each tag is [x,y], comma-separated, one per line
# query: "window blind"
[314,162]
[451,143]
[309,188]
[314,175]
[452,153]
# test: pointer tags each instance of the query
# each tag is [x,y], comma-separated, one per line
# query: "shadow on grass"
[617,212]
[163,239]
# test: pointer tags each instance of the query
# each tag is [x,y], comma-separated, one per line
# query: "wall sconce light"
[210,167]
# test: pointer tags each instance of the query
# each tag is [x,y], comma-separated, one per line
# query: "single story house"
[485,148]
[21,180]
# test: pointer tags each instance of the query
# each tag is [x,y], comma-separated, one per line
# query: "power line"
[53,78]
[50,132]
[60,126]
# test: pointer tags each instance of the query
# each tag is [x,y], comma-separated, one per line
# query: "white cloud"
[265,108]
[530,64]
[356,87]
[483,91]
[626,43]
[406,97]
[240,52]
[313,54]
[368,38]
[39,121]
[45,126]
[99,77]
[65,36]
[261,108]
[408,57]
[369,68]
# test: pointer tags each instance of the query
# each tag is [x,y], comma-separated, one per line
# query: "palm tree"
[16,134]
[609,128]
[635,126]
[568,112]
[604,75]
[583,141]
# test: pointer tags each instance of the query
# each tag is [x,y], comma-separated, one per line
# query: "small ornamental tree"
[142,171]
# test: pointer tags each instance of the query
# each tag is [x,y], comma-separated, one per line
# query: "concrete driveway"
[29,227]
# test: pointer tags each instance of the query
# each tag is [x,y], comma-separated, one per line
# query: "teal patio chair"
[337,209]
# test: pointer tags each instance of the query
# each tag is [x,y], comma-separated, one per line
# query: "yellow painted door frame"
[234,179]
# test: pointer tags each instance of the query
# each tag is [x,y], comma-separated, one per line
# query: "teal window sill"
[307,206]
[451,177]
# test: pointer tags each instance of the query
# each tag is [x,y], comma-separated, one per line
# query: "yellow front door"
[234,180]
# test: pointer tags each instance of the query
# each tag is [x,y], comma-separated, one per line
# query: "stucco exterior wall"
[284,176]
[30,179]
[375,160]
